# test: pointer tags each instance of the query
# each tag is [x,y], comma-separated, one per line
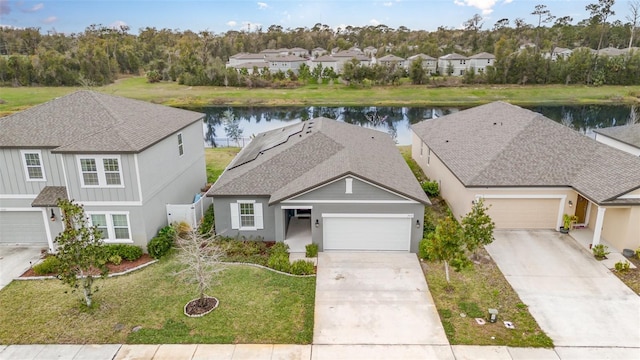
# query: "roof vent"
[446,141]
[495,123]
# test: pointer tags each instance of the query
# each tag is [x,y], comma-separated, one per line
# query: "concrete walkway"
[374,298]
[574,299]
[307,352]
[15,260]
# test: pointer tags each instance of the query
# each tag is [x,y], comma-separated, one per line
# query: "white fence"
[189,213]
[228,142]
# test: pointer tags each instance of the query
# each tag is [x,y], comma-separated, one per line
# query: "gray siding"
[137,222]
[222,212]
[360,191]
[127,193]
[318,209]
[12,173]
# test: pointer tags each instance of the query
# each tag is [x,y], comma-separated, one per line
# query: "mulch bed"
[113,269]
[194,308]
[631,277]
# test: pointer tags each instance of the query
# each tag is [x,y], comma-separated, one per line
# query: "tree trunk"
[446,271]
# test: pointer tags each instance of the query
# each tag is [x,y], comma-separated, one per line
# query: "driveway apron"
[574,298]
[15,260]
[377,298]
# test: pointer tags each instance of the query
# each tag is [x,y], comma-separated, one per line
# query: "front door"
[581,210]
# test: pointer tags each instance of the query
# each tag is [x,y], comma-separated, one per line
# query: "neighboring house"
[559,52]
[611,51]
[452,64]
[300,52]
[244,58]
[326,61]
[347,185]
[479,62]
[123,159]
[370,51]
[392,61]
[625,138]
[531,170]
[428,63]
[337,60]
[317,52]
[285,63]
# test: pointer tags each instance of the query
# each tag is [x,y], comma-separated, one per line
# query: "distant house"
[370,51]
[611,51]
[392,61]
[531,171]
[122,159]
[326,61]
[317,52]
[625,138]
[275,52]
[452,64]
[479,62]
[285,63]
[300,52]
[337,60]
[341,186]
[428,63]
[559,52]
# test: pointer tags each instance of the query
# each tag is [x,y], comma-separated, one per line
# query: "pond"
[395,121]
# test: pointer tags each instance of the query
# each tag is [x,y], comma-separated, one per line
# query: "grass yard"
[217,160]
[473,291]
[256,306]
[174,94]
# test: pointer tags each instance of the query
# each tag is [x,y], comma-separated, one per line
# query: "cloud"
[34,8]
[50,20]
[262,5]
[507,1]
[4,7]
[231,23]
[486,6]
[374,22]
[388,3]
[118,24]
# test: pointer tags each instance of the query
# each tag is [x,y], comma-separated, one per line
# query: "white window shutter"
[235,216]
[257,210]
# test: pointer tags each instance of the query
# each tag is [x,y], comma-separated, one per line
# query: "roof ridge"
[117,118]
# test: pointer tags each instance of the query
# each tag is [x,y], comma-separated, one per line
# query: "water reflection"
[396,121]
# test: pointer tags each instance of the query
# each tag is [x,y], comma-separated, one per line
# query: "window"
[32,160]
[349,186]
[112,226]
[100,171]
[180,145]
[246,215]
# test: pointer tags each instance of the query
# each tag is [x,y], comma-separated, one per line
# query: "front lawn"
[256,306]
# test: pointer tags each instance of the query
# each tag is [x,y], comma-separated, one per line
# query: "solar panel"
[266,141]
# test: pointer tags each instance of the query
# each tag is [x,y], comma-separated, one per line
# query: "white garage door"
[524,213]
[367,232]
[22,227]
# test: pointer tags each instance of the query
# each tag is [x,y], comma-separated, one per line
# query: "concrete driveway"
[374,298]
[15,260]
[574,298]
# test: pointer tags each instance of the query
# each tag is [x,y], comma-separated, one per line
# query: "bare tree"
[633,17]
[544,16]
[201,255]
[600,12]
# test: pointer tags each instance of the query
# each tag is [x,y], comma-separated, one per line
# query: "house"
[428,63]
[337,60]
[559,52]
[243,58]
[625,138]
[392,61]
[531,170]
[326,61]
[344,187]
[370,51]
[285,63]
[479,62]
[452,64]
[317,52]
[122,159]
[300,52]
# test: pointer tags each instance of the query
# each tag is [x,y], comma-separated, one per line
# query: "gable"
[340,190]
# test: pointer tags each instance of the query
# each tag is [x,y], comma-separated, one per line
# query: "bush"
[622,266]
[125,251]
[50,265]
[279,248]
[311,250]
[208,221]
[162,243]
[600,251]
[302,267]
[115,259]
[279,261]
[431,188]
[423,253]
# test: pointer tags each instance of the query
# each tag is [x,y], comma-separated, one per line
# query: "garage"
[370,232]
[22,227]
[527,213]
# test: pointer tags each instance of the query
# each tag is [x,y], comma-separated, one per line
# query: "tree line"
[100,54]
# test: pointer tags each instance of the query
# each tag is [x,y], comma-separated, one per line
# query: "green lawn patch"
[473,292]
[217,160]
[256,306]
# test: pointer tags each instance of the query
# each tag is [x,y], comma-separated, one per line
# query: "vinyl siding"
[128,173]
[360,191]
[12,173]
[222,211]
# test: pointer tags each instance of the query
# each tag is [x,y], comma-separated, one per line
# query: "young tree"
[79,250]
[231,126]
[446,244]
[201,256]
[633,17]
[417,73]
[477,227]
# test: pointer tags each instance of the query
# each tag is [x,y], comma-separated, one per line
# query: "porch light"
[417,224]
[53,216]
[317,223]
[570,203]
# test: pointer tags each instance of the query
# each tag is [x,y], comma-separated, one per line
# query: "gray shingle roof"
[483,55]
[502,145]
[453,56]
[91,122]
[628,134]
[323,151]
[390,57]
[49,196]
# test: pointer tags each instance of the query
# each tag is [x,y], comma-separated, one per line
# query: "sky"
[219,16]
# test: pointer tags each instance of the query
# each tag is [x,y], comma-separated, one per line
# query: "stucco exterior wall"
[621,227]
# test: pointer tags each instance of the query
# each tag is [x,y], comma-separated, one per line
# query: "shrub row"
[50,265]
[124,251]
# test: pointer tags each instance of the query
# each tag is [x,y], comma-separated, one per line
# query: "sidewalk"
[306,352]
